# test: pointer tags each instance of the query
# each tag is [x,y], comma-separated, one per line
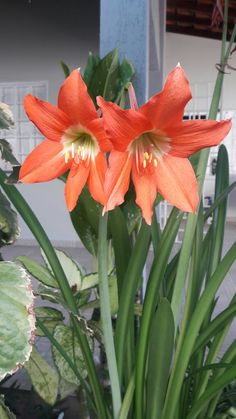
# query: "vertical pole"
[137,29]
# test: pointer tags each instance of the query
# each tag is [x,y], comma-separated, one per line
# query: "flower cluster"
[151,143]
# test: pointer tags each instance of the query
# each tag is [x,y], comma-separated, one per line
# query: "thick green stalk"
[105,310]
[37,230]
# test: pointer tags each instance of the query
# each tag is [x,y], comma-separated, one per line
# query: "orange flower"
[75,140]
[154,143]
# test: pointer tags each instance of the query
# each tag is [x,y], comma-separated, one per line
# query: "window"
[24,136]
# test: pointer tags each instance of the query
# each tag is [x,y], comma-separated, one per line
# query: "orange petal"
[191,136]
[122,126]
[96,178]
[75,182]
[51,121]
[75,101]
[167,107]
[146,191]
[117,178]
[97,129]
[44,163]
[176,182]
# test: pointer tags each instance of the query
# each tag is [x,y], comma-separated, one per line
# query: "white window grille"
[24,136]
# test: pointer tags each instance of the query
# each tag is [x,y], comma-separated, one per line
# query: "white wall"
[198,57]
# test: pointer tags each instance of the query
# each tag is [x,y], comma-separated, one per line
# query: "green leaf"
[9,229]
[66,389]
[65,69]
[13,178]
[91,65]
[89,281]
[187,345]
[16,318]
[211,391]
[50,317]
[85,218]
[6,116]
[160,355]
[38,271]
[64,336]
[7,153]
[113,294]
[44,378]
[105,79]
[126,73]
[219,215]
[4,411]
[121,243]
[72,270]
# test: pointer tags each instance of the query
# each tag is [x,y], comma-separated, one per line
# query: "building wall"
[198,57]
[35,36]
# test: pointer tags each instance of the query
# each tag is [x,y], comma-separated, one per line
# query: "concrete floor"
[226,291]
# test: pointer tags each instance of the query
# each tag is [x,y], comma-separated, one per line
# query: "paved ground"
[226,292]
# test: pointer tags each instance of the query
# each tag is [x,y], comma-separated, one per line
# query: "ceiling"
[193,17]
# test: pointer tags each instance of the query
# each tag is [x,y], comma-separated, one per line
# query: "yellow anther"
[155,162]
[144,163]
[146,155]
[72,150]
[150,158]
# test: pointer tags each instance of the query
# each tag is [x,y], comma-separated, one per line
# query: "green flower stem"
[34,225]
[105,310]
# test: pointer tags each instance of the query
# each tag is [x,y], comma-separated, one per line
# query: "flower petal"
[50,120]
[96,127]
[191,136]
[76,180]
[146,191]
[176,182]
[117,178]
[75,101]
[122,126]
[44,163]
[167,107]
[96,178]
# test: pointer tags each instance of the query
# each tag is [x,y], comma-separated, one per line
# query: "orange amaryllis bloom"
[75,140]
[154,143]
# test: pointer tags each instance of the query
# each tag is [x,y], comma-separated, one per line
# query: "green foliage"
[65,337]
[7,153]
[9,229]
[6,116]
[16,318]
[44,378]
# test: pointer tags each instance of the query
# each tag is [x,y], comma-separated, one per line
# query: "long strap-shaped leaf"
[159,358]
[129,288]
[37,230]
[151,299]
[211,391]
[183,355]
